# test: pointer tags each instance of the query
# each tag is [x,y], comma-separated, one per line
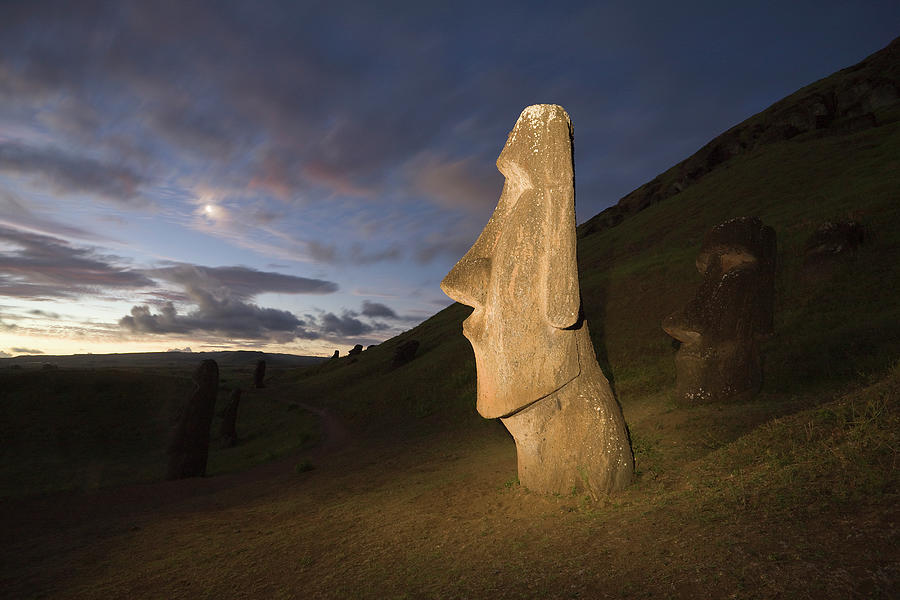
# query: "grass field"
[792,494]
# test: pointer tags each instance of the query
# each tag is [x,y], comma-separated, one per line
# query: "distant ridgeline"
[844,102]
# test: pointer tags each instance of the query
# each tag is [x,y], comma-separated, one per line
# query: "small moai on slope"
[259,374]
[189,447]
[405,352]
[357,349]
[721,327]
[228,431]
[336,354]
[535,363]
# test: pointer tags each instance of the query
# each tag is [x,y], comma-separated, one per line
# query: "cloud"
[228,317]
[376,309]
[346,325]
[5,354]
[26,351]
[44,313]
[69,174]
[15,213]
[221,303]
[463,184]
[240,282]
[185,349]
[38,267]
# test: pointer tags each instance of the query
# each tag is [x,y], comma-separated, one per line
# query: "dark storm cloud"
[39,266]
[70,174]
[26,351]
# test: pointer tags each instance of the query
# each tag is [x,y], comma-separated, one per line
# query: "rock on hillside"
[843,102]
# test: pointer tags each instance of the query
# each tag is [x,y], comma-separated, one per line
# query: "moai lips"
[535,363]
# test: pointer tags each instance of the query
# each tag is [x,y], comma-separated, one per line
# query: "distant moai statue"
[189,446]
[259,374]
[228,431]
[535,363]
[336,354]
[357,349]
[720,328]
[405,352]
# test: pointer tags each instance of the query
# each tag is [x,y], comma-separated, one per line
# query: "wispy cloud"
[38,267]
[66,173]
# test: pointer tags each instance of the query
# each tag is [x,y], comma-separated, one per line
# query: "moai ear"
[562,297]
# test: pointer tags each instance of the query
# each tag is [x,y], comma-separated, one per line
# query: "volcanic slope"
[791,494]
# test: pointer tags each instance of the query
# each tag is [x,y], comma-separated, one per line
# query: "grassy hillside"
[792,494]
[88,429]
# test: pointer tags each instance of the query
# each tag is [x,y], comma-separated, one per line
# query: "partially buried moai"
[228,432]
[259,374]
[535,363]
[189,446]
[720,329]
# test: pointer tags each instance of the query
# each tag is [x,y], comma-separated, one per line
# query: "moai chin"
[733,309]
[535,363]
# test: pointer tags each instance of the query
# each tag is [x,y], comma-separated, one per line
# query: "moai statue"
[535,364]
[189,447]
[405,352]
[720,328]
[229,419]
[259,374]
[336,354]
[357,349]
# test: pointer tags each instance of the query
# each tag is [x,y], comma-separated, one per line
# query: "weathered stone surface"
[189,446]
[534,360]
[259,374]
[721,326]
[228,431]
[357,349]
[405,352]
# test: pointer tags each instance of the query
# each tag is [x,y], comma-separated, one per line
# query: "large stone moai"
[189,447]
[259,374]
[721,327]
[535,364]
[228,432]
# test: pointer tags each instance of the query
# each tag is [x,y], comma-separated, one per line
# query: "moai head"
[520,276]
[731,310]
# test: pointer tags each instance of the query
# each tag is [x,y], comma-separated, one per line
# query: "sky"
[293,176]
